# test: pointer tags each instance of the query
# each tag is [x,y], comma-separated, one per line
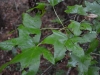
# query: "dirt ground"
[10,18]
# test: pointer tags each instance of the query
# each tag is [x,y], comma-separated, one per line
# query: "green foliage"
[40,6]
[93,71]
[76,33]
[31,22]
[75,28]
[57,39]
[92,7]
[93,45]
[74,47]
[83,63]
[86,26]
[76,9]
[54,2]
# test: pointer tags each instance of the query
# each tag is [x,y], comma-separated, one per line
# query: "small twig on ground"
[1,30]
[68,72]
[80,2]
[95,54]
[47,69]
[61,21]
[16,5]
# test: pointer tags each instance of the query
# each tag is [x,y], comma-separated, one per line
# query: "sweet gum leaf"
[56,36]
[93,70]
[24,32]
[74,26]
[57,39]
[76,9]
[82,63]
[28,58]
[86,26]
[93,7]
[59,51]
[8,44]
[74,47]
[31,22]
[47,55]
[93,45]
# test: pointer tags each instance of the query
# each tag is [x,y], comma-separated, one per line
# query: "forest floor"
[11,13]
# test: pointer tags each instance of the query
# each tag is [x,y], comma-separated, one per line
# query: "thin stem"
[53,28]
[61,21]
[47,69]
[16,6]
[95,54]
[50,28]
[58,17]
[39,44]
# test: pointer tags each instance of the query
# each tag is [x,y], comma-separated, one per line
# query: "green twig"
[53,28]
[58,17]
[61,21]
[50,28]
